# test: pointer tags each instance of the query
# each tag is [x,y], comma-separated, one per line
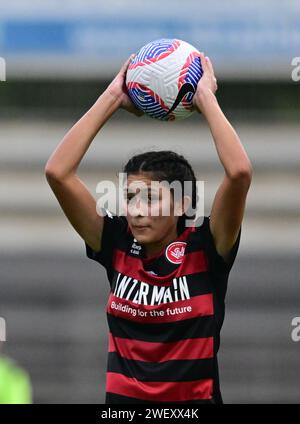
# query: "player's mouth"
[140,227]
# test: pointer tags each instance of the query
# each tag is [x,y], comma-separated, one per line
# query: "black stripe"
[172,370]
[198,284]
[162,332]
[124,243]
[196,242]
[115,398]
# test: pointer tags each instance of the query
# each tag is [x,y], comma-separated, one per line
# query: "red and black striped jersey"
[164,315]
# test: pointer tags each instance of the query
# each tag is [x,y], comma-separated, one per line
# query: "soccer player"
[167,280]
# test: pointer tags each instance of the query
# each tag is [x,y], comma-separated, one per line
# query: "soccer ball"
[162,78]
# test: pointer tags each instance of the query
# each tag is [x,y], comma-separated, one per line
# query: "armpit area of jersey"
[217,260]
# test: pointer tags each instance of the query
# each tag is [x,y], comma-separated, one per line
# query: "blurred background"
[59,57]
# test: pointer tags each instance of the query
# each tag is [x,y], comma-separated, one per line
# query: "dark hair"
[169,166]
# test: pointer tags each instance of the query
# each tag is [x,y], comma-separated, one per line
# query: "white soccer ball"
[162,78]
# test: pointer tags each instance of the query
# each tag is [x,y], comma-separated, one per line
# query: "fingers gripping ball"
[162,78]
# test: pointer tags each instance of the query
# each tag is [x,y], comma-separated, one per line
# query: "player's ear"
[187,203]
[182,207]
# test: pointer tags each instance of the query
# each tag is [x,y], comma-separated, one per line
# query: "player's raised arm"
[229,203]
[74,197]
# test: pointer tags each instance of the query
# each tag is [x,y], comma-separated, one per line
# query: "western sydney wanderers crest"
[175,252]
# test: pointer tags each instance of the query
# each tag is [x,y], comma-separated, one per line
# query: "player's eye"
[144,196]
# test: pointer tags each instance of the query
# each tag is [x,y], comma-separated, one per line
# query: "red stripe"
[182,74]
[164,391]
[138,350]
[192,263]
[196,306]
[161,56]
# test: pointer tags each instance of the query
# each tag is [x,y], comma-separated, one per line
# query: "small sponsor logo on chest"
[135,248]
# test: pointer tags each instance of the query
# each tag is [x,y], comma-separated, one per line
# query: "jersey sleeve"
[218,262]
[114,228]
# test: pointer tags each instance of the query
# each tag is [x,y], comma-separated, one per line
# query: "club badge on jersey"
[175,252]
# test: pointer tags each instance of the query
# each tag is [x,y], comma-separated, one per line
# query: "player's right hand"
[117,88]
[207,85]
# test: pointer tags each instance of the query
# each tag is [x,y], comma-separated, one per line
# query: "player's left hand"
[206,85]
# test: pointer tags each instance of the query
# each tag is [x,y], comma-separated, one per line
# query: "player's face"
[150,209]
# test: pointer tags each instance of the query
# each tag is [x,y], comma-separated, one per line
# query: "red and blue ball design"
[162,78]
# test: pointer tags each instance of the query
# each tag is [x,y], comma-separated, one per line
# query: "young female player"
[168,281]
